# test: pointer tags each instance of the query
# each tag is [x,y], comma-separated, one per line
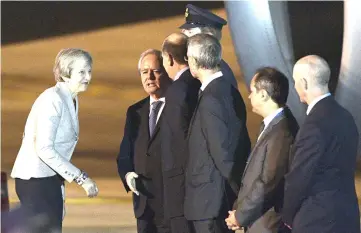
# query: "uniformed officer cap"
[198,17]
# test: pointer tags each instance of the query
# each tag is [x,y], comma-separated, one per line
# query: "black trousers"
[42,197]
[180,225]
[216,225]
[152,222]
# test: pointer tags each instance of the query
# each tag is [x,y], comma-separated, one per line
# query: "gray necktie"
[153,116]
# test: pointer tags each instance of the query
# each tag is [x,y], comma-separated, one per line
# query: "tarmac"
[110,212]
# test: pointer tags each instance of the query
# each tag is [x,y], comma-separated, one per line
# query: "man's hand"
[232,221]
[90,187]
[130,178]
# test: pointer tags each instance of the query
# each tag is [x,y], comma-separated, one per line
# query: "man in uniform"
[198,21]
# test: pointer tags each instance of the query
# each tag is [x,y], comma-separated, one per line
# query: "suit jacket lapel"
[267,131]
[144,119]
[66,96]
[270,126]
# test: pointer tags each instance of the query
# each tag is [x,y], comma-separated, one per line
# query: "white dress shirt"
[315,101]
[267,120]
[210,79]
[152,100]
[180,73]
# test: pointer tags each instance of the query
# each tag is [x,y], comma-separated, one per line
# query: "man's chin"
[152,91]
[255,111]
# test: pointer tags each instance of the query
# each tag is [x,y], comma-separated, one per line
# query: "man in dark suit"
[199,20]
[139,159]
[258,207]
[218,140]
[181,99]
[320,191]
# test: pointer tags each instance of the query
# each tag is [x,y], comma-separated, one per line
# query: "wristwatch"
[81,178]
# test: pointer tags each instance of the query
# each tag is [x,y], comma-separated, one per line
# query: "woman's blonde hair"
[65,59]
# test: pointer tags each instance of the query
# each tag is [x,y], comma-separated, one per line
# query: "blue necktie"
[153,116]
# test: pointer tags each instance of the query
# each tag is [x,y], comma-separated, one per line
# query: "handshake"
[87,184]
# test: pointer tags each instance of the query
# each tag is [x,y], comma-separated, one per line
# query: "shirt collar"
[152,100]
[180,73]
[315,101]
[210,79]
[267,120]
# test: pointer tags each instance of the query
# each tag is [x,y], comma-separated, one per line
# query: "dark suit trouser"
[179,225]
[42,196]
[152,222]
[216,225]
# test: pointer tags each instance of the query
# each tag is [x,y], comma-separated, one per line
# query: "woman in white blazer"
[50,136]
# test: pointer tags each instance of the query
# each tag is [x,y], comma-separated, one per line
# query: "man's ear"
[264,95]
[170,60]
[304,83]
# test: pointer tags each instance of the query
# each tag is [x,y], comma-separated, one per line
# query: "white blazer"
[50,137]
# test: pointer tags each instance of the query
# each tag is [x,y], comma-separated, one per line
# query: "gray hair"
[217,33]
[316,69]
[154,52]
[206,50]
[65,59]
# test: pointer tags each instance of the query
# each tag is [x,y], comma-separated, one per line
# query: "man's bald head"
[176,37]
[175,45]
[315,70]
[311,75]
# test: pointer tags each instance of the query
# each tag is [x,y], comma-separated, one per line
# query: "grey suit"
[260,197]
